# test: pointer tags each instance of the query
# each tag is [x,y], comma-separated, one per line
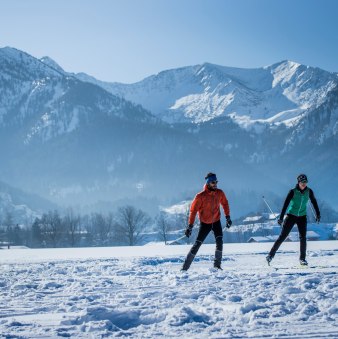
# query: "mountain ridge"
[71,140]
[264,95]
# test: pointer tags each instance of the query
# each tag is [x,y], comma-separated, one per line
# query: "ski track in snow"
[149,297]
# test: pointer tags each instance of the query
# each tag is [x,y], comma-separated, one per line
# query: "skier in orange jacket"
[207,204]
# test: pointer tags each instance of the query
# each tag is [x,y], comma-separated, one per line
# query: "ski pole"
[178,239]
[227,228]
[313,212]
[269,207]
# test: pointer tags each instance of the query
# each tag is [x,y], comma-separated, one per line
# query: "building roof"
[312,234]
[253,218]
[259,239]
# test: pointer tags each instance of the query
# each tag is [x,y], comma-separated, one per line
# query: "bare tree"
[52,227]
[102,227]
[37,236]
[8,225]
[110,224]
[72,227]
[181,218]
[131,222]
[8,220]
[163,227]
[15,235]
[87,227]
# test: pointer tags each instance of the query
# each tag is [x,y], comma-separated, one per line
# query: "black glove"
[318,219]
[280,221]
[188,230]
[229,222]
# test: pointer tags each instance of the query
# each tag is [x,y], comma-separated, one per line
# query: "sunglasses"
[213,182]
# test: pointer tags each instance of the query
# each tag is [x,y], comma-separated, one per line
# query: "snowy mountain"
[281,119]
[52,63]
[280,93]
[283,95]
[20,207]
[75,143]
[76,140]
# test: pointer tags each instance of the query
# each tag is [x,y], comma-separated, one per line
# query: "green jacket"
[297,200]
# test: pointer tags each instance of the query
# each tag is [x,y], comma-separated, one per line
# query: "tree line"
[127,227]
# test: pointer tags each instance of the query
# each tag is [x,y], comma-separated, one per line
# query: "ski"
[302,267]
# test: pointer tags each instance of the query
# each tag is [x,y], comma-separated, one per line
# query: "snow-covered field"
[140,292]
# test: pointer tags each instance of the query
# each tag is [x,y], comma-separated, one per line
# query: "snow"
[253,219]
[18,210]
[140,292]
[180,208]
[52,63]
[273,216]
[259,239]
[253,98]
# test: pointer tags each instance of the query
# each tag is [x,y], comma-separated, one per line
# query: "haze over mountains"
[75,140]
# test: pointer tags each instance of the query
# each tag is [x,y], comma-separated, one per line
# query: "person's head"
[211,181]
[302,181]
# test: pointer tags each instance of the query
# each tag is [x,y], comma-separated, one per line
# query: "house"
[293,236]
[253,219]
[312,235]
[270,216]
[272,237]
[335,232]
[259,239]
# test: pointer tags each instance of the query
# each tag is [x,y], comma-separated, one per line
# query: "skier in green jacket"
[295,207]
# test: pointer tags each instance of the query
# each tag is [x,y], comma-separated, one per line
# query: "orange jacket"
[206,204]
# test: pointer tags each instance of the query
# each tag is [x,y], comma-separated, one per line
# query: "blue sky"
[127,40]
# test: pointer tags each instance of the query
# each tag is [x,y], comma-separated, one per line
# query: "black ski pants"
[288,224]
[203,232]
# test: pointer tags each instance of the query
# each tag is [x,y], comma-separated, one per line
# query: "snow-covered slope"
[140,293]
[72,138]
[52,63]
[279,93]
[19,213]
[288,110]
[19,207]
[39,95]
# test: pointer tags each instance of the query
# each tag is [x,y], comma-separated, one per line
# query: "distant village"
[169,229]
[264,228]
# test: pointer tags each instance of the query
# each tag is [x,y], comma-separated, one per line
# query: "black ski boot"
[268,259]
[188,260]
[218,260]
[218,267]
[303,262]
